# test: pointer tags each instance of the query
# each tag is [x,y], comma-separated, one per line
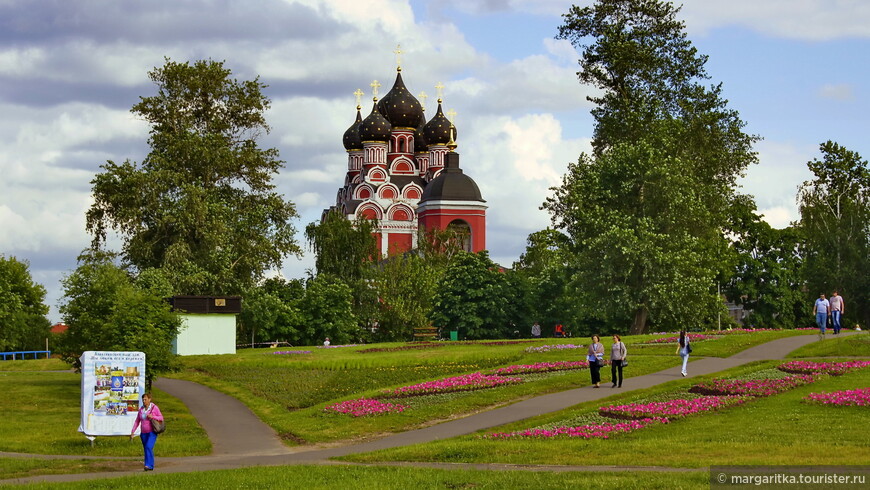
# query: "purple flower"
[292,352]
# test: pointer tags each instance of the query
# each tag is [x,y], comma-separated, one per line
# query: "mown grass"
[24,467]
[40,413]
[34,365]
[857,345]
[777,430]
[388,477]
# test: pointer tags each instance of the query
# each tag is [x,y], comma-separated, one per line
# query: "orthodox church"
[403,171]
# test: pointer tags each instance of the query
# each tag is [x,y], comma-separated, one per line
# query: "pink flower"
[541,367]
[859,397]
[831,368]
[750,387]
[670,409]
[363,407]
[590,431]
[468,382]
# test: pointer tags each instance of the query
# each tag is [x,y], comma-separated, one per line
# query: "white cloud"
[774,181]
[840,91]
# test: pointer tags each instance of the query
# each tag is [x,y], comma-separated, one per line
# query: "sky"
[796,70]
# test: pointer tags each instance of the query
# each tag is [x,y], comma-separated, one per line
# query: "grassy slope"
[851,346]
[770,431]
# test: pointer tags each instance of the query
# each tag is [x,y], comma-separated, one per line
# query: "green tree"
[327,311]
[473,298]
[106,309]
[344,249]
[271,312]
[405,285]
[647,212]
[23,325]
[201,206]
[835,222]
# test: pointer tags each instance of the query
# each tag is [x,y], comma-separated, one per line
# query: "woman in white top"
[595,356]
[683,349]
[617,356]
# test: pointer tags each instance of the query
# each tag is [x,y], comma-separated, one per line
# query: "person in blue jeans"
[820,310]
[147,412]
[683,350]
[838,307]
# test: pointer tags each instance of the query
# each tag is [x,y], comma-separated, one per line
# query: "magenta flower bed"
[292,352]
[601,431]
[693,337]
[751,387]
[363,407]
[670,409]
[468,382]
[831,368]
[541,367]
[548,348]
[859,397]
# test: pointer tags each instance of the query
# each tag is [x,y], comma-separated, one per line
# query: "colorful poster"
[112,388]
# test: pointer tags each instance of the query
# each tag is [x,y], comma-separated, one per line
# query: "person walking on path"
[595,356]
[683,350]
[148,412]
[838,307]
[536,331]
[617,361]
[820,311]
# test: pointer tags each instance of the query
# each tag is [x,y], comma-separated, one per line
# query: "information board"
[112,388]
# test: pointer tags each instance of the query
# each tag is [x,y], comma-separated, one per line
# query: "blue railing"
[23,354]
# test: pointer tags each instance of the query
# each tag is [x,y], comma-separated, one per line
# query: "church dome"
[420,144]
[352,140]
[451,184]
[374,127]
[402,109]
[437,130]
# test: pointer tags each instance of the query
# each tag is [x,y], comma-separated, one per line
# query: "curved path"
[240,439]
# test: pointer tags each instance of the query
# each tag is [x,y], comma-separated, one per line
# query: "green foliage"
[327,311]
[835,222]
[23,325]
[406,286]
[342,248]
[106,309]
[271,312]
[766,280]
[201,206]
[472,297]
[646,213]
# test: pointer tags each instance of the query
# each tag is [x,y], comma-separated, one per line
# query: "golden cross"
[439,90]
[423,97]
[451,115]
[374,85]
[398,52]
[359,93]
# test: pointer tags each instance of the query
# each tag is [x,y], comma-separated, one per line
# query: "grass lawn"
[24,467]
[852,346]
[354,477]
[776,430]
[41,414]
[34,365]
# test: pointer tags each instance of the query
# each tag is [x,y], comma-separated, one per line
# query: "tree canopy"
[23,325]
[201,206]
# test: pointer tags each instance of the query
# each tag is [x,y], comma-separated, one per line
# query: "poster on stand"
[112,388]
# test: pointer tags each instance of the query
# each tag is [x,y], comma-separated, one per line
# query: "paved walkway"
[240,439]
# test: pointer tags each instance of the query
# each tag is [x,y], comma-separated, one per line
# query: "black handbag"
[624,362]
[158,426]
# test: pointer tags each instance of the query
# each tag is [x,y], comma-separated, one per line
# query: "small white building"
[208,324]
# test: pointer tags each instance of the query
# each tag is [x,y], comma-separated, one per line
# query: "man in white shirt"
[820,310]
[838,307]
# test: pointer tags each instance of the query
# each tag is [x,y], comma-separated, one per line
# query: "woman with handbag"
[617,361]
[595,356]
[684,349]
[152,424]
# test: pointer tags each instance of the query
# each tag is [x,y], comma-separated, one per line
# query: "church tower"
[403,172]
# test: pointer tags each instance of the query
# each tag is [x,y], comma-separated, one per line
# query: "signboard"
[112,388]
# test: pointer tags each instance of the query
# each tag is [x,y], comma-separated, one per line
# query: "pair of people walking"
[836,306]
[618,360]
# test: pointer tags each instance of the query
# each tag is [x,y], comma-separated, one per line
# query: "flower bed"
[751,387]
[549,348]
[693,337]
[468,382]
[336,346]
[859,398]
[541,367]
[363,407]
[601,431]
[670,409]
[292,352]
[831,368]
[415,346]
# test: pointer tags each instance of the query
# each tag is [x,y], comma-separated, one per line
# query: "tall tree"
[23,325]
[202,205]
[342,248]
[646,213]
[835,221]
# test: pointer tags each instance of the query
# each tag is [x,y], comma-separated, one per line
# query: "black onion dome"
[451,184]
[402,109]
[437,130]
[420,144]
[352,140]
[374,127]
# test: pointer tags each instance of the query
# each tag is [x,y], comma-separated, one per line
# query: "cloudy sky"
[797,71]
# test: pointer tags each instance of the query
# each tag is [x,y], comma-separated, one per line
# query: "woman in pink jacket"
[147,412]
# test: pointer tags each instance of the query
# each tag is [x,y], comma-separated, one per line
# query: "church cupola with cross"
[403,171]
